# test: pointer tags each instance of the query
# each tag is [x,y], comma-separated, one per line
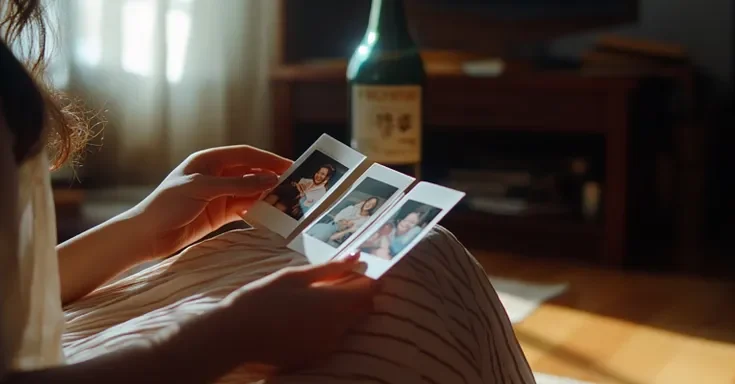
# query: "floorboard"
[623,327]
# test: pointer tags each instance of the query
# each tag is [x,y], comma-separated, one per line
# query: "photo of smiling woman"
[307,185]
[398,231]
[352,213]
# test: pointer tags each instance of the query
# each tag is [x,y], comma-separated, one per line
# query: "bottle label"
[386,122]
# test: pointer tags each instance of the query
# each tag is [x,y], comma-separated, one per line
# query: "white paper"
[520,299]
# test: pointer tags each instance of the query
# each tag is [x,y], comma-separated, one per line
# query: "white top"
[312,192]
[352,214]
[31,317]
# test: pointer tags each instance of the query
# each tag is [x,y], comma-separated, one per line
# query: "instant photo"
[311,179]
[391,237]
[364,202]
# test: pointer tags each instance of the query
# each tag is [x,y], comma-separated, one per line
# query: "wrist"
[139,235]
[211,341]
[121,240]
[241,328]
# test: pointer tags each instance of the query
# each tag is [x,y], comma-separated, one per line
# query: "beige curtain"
[173,76]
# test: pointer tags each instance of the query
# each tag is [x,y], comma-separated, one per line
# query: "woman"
[406,230]
[378,240]
[252,323]
[393,241]
[36,279]
[312,190]
[345,223]
[296,198]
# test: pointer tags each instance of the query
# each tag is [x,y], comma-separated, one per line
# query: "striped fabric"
[438,319]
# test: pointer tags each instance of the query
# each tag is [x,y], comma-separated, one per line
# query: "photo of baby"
[307,185]
[391,237]
[351,213]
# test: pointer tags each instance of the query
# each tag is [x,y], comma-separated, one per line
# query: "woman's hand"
[296,211]
[300,188]
[342,224]
[211,188]
[383,250]
[208,190]
[336,236]
[287,320]
[298,316]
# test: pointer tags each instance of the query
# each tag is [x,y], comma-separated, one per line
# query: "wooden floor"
[627,328]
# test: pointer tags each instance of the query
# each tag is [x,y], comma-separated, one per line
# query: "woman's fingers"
[352,298]
[237,206]
[211,187]
[238,155]
[239,170]
[328,271]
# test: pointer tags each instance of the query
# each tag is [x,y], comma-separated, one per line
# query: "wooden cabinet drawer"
[484,105]
[505,108]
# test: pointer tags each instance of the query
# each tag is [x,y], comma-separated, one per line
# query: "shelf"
[335,72]
[548,225]
[528,235]
[476,104]
[609,110]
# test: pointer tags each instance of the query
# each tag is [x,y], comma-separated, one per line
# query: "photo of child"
[307,185]
[351,213]
[391,237]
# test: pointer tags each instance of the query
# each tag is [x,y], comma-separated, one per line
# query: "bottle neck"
[388,28]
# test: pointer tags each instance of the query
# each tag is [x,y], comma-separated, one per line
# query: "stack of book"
[632,56]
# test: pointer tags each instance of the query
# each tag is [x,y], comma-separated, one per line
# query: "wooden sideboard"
[311,99]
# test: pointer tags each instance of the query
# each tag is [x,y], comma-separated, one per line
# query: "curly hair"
[35,114]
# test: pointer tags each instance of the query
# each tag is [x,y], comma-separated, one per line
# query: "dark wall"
[333,28]
[704,27]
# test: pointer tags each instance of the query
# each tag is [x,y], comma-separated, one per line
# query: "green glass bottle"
[386,81]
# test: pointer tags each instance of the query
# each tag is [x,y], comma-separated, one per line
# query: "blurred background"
[593,140]
[161,79]
[169,77]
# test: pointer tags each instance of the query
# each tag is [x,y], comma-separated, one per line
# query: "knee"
[440,250]
[441,239]
[441,234]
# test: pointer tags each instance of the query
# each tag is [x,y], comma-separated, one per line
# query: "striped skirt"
[438,320]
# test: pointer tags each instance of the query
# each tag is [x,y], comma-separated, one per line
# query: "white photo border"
[318,252]
[283,224]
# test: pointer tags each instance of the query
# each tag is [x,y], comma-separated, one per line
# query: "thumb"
[212,187]
[330,271]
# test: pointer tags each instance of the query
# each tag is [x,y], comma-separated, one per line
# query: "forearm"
[200,351]
[340,234]
[384,245]
[94,257]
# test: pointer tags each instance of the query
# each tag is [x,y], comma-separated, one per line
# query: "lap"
[437,320]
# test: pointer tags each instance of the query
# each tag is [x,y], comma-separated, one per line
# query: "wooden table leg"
[616,183]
